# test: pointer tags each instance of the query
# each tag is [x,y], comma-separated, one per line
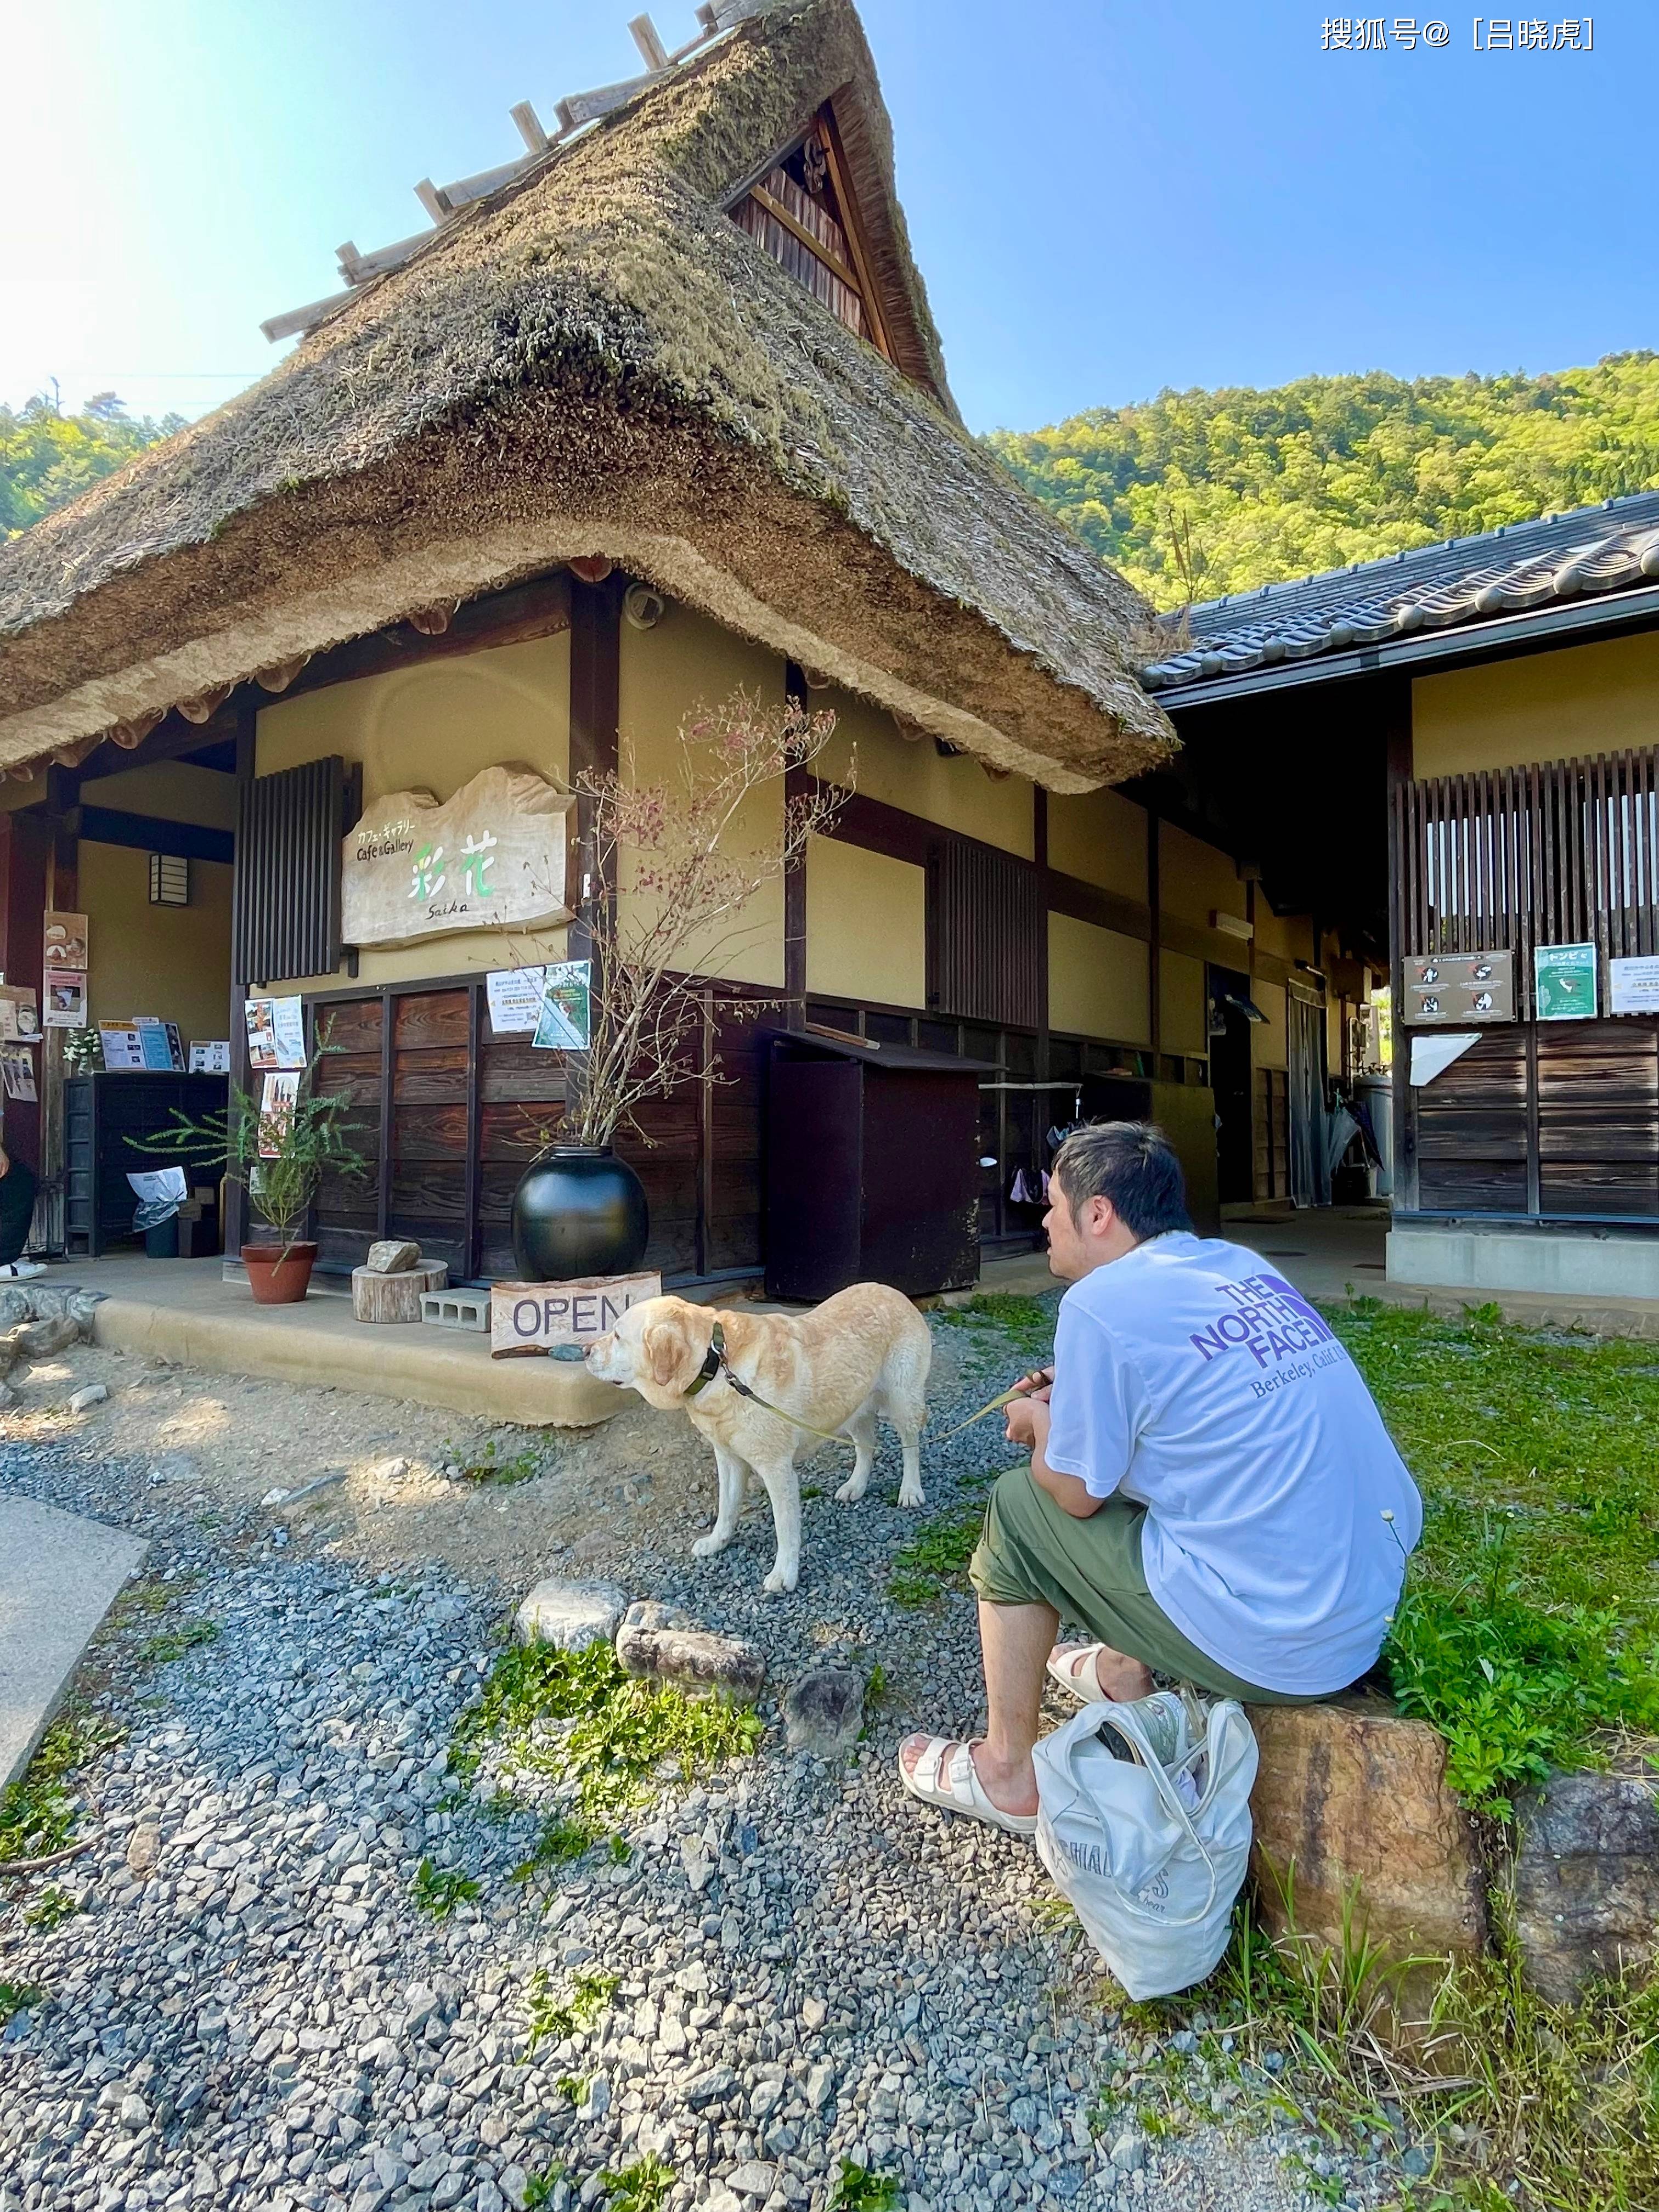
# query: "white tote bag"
[1152,1882]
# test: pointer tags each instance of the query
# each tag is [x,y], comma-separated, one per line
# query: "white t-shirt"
[1197,1382]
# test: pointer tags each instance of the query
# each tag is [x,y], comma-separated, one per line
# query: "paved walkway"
[59,1575]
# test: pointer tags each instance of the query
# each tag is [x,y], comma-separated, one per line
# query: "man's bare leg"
[1014,1642]
[1120,1678]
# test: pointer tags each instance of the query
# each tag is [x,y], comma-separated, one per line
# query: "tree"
[46,460]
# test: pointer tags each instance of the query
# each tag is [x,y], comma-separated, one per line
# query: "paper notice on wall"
[1633,986]
[18,1071]
[1433,1055]
[515,999]
[1564,982]
[122,1048]
[159,1042]
[209,1058]
[277,1032]
[565,1022]
[66,1000]
[65,942]
[277,1098]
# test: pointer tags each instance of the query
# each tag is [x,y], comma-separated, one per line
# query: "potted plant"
[680,869]
[279,1149]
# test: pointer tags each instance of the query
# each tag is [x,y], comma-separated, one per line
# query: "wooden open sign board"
[526,1317]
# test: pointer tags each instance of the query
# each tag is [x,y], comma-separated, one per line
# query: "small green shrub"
[493,1462]
[936,1557]
[439,1890]
[52,1909]
[555,2018]
[642,2187]
[857,2190]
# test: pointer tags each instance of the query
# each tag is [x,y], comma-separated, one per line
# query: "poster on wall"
[1458,988]
[159,1042]
[66,1000]
[275,1032]
[494,856]
[566,1020]
[65,942]
[1563,979]
[1633,986]
[277,1098]
[515,999]
[209,1058]
[18,1071]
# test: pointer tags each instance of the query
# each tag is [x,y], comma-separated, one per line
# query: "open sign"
[526,1317]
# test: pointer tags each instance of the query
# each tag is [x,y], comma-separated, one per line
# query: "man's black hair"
[1133,1165]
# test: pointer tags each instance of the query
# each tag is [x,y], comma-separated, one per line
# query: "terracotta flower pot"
[278,1277]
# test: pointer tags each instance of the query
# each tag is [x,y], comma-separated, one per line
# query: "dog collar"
[713,1360]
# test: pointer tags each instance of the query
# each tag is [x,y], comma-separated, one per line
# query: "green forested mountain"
[1196,493]
[46,458]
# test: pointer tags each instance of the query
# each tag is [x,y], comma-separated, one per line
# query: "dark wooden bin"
[872,1167]
[102,1112]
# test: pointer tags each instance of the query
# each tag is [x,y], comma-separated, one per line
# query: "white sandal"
[957,1788]
[1074,1668]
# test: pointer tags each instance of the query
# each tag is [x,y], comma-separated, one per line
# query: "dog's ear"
[667,1354]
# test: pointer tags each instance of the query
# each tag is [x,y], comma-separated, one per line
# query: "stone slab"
[1586,1879]
[59,1577]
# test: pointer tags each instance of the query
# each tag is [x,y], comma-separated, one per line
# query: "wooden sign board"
[1457,990]
[535,1317]
[496,856]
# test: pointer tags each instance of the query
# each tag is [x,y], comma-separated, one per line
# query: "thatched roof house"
[597,360]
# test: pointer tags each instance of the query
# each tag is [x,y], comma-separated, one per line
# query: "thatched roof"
[598,360]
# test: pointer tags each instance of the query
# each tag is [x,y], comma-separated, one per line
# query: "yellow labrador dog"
[863,1353]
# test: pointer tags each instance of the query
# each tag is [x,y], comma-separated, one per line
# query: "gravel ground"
[250,2009]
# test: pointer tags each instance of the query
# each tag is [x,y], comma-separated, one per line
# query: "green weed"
[439,1890]
[495,1462]
[642,2187]
[18,1996]
[1024,1325]
[574,2086]
[857,2190]
[576,1717]
[52,1909]
[38,1814]
[555,2018]
[935,1557]
[173,1643]
[538,2188]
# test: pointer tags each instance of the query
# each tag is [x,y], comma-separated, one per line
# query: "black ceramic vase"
[581,1210]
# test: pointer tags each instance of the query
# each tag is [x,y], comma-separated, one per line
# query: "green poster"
[1564,982]
[566,1020]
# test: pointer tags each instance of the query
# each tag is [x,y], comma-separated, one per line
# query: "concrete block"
[456,1310]
[59,1577]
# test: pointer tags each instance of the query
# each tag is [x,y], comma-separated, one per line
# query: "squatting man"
[1211,1493]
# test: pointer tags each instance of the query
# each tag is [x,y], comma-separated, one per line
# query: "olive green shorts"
[1034,1553]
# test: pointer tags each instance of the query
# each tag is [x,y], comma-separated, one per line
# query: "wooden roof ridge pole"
[528,125]
[652,51]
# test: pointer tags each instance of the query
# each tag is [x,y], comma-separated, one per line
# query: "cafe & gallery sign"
[493,857]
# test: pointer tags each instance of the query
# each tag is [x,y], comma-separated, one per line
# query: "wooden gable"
[802,211]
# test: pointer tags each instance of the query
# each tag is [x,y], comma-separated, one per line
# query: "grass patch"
[642,2187]
[1499,2099]
[1529,1632]
[613,1739]
[174,1642]
[936,1558]
[38,1814]
[538,2188]
[1023,1327]
[495,1462]
[857,2190]
[52,1909]
[557,2017]
[18,1996]
[439,1890]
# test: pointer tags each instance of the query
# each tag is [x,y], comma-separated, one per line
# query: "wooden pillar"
[247,724]
[1040,854]
[26,871]
[1154,946]
[595,753]
[1397,738]
[63,894]
[796,781]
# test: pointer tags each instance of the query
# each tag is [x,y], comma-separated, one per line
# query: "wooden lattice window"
[801,211]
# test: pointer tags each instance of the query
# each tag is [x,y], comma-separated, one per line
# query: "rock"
[15,1308]
[820,2082]
[814,2011]
[694,1657]
[393,1256]
[44,1339]
[95,1393]
[713,2083]
[1586,1879]
[1128,2153]
[722,2199]
[134,2114]
[143,1849]
[824,1712]
[1351,1794]
[569,1615]
[753,2179]
[390,2169]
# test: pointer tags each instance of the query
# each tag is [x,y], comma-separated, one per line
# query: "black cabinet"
[103,1112]
[872,1167]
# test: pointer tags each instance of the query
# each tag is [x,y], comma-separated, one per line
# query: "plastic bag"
[159,1194]
[1151,1881]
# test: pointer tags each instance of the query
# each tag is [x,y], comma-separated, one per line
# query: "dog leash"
[715,1361]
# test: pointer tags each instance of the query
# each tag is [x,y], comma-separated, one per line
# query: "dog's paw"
[852,1490]
[706,1546]
[912,1494]
[778,1582]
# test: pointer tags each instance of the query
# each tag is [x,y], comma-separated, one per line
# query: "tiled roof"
[1525,566]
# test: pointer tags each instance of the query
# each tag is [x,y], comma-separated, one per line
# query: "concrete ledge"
[319,1342]
[1632,1317]
[1560,1264]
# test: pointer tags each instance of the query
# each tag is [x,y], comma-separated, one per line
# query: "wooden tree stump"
[375,1297]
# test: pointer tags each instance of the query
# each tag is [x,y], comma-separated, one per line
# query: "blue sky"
[1105,198]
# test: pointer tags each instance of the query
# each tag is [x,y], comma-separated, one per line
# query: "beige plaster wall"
[177,791]
[171,962]
[952,790]
[1100,836]
[1183,1006]
[1543,707]
[667,673]
[1097,982]
[866,925]
[1194,880]
[1269,1039]
[433,727]
[1288,935]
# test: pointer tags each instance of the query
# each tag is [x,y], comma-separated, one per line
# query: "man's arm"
[1028,1424]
